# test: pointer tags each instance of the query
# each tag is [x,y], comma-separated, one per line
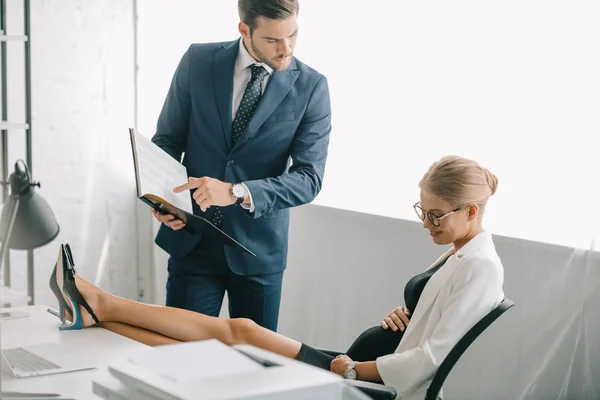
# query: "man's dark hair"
[249,10]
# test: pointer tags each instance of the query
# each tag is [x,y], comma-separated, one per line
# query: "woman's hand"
[397,319]
[340,364]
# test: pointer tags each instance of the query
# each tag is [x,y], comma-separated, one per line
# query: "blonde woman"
[442,303]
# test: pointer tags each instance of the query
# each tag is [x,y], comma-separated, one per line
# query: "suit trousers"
[198,282]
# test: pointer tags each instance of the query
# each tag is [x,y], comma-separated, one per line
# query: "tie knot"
[258,71]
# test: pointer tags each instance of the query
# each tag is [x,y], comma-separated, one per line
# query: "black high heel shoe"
[69,288]
[55,286]
[62,304]
[70,255]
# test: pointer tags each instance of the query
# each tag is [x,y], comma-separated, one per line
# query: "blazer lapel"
[431,291]
[278,87]
[439,279]
[223,68]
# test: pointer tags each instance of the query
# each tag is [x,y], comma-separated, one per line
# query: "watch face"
[350,374]
[239,191]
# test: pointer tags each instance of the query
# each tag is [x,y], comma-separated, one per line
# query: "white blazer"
[458,295]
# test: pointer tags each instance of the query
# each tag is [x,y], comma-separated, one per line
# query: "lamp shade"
[34,223]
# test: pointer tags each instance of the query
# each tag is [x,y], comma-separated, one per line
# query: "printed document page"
[159,173]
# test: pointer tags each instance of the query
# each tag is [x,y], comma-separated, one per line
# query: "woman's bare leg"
[138,334]
[181,324]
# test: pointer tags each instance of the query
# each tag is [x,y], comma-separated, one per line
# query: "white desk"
[94,344]
[102,347]
[10,297]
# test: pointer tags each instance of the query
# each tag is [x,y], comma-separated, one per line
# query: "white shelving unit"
[13,38]
[5,125]
[16,130]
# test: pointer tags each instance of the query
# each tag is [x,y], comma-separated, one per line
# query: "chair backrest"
[462,345]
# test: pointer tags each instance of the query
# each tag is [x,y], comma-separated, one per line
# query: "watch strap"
[238,200]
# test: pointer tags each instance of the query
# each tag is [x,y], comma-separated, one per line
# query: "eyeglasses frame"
[434,219]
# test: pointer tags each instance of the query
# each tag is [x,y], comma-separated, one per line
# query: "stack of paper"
[211,370]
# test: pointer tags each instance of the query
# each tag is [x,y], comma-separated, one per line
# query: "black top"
[414,287]
[376,341]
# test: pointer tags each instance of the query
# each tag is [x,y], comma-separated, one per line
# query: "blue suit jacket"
[293,120]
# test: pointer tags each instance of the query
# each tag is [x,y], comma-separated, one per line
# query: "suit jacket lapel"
[278,87]
[432,290]
[224,67]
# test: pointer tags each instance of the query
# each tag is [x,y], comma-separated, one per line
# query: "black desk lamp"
[27,221]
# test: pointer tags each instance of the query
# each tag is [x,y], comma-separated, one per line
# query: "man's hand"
[168,219]
[209,192]
[397,319]
[340,364]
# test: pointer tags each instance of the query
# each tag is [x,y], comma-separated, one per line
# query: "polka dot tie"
[244,114]
[249,101]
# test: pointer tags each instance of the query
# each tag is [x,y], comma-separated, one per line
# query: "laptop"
[41,359]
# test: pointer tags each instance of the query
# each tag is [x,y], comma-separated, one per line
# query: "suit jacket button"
[230,163]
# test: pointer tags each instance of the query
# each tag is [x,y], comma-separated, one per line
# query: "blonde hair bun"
[491,180]
[460,181]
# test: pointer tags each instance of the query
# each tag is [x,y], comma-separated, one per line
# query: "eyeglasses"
[434,219]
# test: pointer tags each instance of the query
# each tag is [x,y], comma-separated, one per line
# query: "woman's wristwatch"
[350,371]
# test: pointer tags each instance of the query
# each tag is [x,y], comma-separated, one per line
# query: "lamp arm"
[12,215]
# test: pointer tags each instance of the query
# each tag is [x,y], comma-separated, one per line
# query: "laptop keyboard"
[19,358]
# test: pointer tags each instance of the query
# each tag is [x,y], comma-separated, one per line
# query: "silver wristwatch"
[350,371]
[239,192]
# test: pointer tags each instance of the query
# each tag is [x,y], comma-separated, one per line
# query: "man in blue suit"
[251,124]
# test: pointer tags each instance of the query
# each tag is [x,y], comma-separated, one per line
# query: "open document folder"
[211,370]
[156,174]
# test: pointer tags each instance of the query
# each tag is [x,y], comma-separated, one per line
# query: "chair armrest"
[373,390]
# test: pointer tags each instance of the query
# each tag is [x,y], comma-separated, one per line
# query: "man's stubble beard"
[265,60]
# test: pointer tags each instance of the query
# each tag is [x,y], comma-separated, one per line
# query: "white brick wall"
[82,105]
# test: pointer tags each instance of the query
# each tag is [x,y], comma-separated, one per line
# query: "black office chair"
[381,392]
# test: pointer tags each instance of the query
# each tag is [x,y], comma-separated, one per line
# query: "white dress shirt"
[241,77]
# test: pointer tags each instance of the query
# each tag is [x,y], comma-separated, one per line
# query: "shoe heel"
[62,313]
[77,321]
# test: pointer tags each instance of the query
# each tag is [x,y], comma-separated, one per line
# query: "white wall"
[166,29]
[511,84]
[82,103]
